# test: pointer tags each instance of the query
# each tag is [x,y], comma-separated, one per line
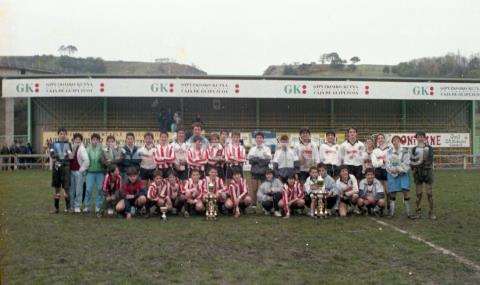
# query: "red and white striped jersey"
[176,186]
[111,184]
[158,191]
[290,193]
[219,186]
[197,158]
[237,189]
[164,156]
[235,154]
[215,152]
[191,185]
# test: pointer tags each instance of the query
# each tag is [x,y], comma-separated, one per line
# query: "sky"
[241,37]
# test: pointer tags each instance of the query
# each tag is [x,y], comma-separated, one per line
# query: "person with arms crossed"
[147,164]
[351,153]
[307,153]
[259,157]
[329,154]
[285,161]
[398,169]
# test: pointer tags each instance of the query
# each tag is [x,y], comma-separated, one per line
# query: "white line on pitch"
[443,250]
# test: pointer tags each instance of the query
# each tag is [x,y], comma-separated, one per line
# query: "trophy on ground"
[163,210]
[211,203]
[319,195]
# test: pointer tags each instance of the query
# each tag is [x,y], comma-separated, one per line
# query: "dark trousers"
[129,203]
[268,205]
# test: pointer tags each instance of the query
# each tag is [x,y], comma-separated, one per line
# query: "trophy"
[319,194]
[211,202]
[163,210]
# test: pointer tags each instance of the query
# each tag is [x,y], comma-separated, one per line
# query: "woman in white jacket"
[398,174]
[78,165]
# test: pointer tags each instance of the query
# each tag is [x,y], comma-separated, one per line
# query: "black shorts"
[140,193]
[302,176]
[61,176]
[381,174]
[146,174]
[232,168]
[356,171]
[422,175]
[308,200]
[182,175]
[331,201]
[167,171]
[117,197]
[346,200]
[332,170]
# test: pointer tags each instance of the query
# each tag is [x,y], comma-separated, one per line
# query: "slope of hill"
[90,65]
[362,70]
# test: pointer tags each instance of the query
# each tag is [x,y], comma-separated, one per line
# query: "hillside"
[73,65]
[361,70]
[90,65]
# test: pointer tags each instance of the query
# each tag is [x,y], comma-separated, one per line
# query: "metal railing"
[457,161]
[22,139]
[26,161]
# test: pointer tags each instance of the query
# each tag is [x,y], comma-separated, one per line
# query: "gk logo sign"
[423,91]
[162,87]
[27,88]
[295,89]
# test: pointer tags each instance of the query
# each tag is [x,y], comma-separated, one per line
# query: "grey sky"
[241,36]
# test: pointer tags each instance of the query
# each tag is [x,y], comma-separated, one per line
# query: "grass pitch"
[38,247]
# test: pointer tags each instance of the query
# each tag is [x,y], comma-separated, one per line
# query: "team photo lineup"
[204,175]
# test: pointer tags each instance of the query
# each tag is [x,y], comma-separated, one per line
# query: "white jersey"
[367,156]
[307,154]
[375,188]
[379,157]
[180,150]
[147,154]
[343,186]
[285,158]
[329,154]
[262,152]
[311,181]
[352,154]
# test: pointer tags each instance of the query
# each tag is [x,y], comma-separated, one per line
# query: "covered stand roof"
[240,87]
